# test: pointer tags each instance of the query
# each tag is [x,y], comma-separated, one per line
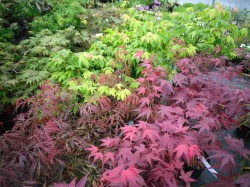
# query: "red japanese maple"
[168,133]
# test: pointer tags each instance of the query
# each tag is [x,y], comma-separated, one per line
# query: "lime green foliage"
[84,73]
[24,66]
[210,29]
[63,15]
[169,36]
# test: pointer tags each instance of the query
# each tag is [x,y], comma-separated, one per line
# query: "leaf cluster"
[25,66]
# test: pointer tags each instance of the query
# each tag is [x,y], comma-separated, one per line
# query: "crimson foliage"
[176,125]
[145,140]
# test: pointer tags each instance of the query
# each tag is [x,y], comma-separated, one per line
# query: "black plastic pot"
[243,131]
[196,172]
[7,122]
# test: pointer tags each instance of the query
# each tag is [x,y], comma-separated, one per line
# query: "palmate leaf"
[104,90]
[144,112]
[187,177]
[237,145]
[224,157]
[109,156]
[151,134]
[170,112]
[180,80]
[191,50]
[120,176]
[130,133]
[182,150]
[205,124]
[83,59]
[122,94]
[109,142]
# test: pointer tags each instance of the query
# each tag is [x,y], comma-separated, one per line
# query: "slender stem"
[201,35]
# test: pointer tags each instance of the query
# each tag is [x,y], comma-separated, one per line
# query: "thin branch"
[201,35]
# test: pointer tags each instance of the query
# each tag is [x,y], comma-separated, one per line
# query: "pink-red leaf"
[224,156]
[187,177]
[109,156]
[151,134]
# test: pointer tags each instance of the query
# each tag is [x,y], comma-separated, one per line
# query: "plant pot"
[196,170]
[170,9]
[6,122]
[243,131]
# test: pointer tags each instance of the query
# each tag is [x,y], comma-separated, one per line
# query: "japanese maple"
[176,124]
[148,139]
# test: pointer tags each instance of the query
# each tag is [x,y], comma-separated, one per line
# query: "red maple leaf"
[141,90]
[166,111]
[151,157]
[218,49]
[144,125]
[94,153]
[182,150]
[120,176]
[180,97]
[130,132]
[125,153]
[140,148]
[180,80]
[141,80]
[113,174]
[237,145]
[151,134]
[93,149]
[144,101]
[97,156]
[157,89]
[187,177]
[224,157]
[109,142]
[205,124]
[82,182]
[196,111]
[170,112]
[129,176]
[144,112]
[194,150]
[166,86]
[179,128]
[109,156]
